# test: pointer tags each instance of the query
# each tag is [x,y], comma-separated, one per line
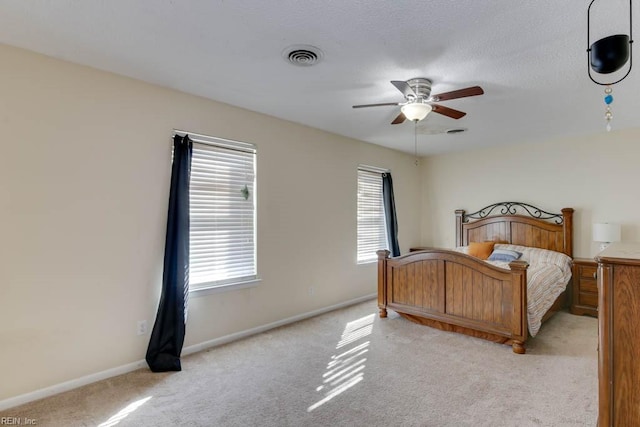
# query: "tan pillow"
[481,250]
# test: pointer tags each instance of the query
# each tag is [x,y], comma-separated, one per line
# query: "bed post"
[567,226]
[520,301]
[383,256]
[459,220]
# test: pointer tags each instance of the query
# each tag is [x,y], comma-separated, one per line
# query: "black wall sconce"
[608,55]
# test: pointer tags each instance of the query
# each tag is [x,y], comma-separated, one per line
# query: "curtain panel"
[390,214]
[167,336]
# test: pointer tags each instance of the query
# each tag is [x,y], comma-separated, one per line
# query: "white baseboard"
[248,332]
[119,370]
[70,385]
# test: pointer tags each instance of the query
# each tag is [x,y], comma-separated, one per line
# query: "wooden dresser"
[619,335]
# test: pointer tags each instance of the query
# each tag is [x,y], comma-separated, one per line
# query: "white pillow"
[540,256]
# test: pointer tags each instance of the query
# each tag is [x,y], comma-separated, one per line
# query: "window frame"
[233,283]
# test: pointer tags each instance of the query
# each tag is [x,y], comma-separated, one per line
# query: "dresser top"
[620,253]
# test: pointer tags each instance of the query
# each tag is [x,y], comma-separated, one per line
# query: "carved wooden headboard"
[519,224]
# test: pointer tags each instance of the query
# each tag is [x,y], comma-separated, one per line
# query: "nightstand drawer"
[585,287]
[588,299]
[589,285]
[588,272]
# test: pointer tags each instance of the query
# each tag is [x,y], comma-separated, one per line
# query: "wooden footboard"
[457,292]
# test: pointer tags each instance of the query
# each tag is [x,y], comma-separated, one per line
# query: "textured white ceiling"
[529,56]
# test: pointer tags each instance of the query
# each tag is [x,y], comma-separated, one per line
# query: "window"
[372,230]
[223,213]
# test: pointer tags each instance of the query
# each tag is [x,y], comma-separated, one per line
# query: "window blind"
[372,234]
[223,214]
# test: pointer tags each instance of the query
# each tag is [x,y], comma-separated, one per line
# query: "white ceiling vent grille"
[302,55]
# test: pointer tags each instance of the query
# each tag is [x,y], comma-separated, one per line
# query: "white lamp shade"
[606,233]
[416,111]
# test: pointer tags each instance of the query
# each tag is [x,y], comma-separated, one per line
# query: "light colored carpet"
[351,368]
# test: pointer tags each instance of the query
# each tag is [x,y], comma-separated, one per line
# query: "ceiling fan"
[419,102]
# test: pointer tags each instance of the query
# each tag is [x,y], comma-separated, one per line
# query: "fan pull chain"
[608,99]
[415,139]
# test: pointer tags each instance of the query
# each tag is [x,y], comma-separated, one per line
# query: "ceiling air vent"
[302,55]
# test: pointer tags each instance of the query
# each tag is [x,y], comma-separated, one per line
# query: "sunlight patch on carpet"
[346,369]
[124,413]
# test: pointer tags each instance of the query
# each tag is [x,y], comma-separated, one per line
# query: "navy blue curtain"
[167,337]
[390,214]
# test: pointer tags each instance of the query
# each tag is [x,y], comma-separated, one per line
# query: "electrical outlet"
[142,327]
[312,291]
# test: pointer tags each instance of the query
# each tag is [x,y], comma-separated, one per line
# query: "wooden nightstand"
[585,287]
[420,248]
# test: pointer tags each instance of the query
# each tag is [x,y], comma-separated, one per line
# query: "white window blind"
[223,213]
[372,232]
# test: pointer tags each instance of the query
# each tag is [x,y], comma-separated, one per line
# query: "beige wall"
[596,175]
[84,177]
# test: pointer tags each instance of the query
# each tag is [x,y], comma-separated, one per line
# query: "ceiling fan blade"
[449,112]
[384,104]
[460,93]
[404,88]
[400,119]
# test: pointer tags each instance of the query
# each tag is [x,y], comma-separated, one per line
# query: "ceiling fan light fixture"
[416,111]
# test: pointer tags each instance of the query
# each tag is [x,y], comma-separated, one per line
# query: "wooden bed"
[456,292]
